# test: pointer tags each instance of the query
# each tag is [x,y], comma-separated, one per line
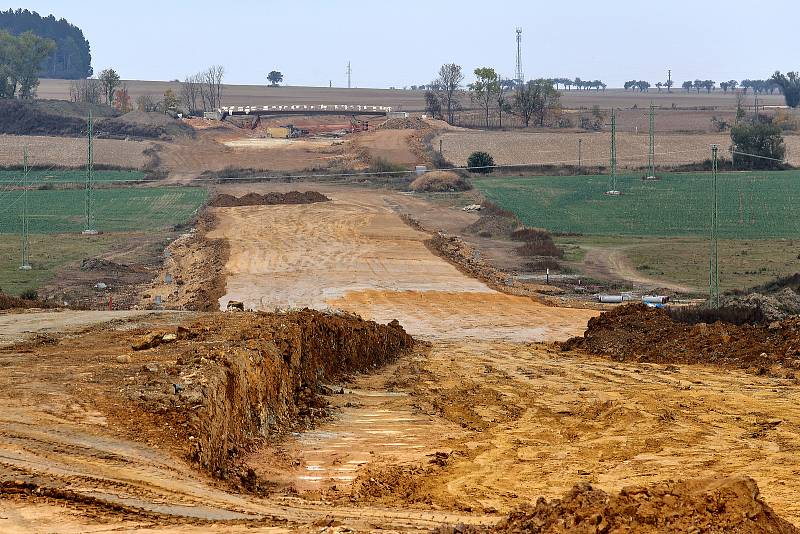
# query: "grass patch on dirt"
[49,252]
[115,209]
[684,260]
[751,204]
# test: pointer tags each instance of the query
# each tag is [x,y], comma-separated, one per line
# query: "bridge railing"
[330,108]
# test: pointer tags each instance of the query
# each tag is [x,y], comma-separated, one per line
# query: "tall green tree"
[20,57]
[69,59]
[485,89]
[757,145]
[110,81]
[790,85]
[275,77]
[535,101]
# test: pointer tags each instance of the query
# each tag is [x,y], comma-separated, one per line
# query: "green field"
[37,177]
[751,204]
[56,211]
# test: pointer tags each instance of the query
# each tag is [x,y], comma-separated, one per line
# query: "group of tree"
[203,91]
[532,101]
[641,85]
[100,90]
[20,58]
[757,86]
[577,83]
[69,58]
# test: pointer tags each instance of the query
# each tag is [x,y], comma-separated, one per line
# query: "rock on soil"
[641,334]
[714,506]
[269,199]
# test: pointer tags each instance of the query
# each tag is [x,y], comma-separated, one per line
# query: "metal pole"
[89,224]
[651,156]
[26,263]
[613,150]
[713,267]
[580,143]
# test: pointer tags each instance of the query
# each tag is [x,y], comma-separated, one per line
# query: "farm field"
[39,177]
[410,100]
[115,209]
[46,151]
[561,148]
[751,204]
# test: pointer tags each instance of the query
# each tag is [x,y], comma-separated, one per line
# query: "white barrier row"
[230,110]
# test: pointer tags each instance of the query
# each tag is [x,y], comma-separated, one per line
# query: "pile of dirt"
[637,333]
[713,505]
[197,265]
[408,123]
[231,379]
[774,301]
[68,119]
[440,182]
[225,200]
[538,242]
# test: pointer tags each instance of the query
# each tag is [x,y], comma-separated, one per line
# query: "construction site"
[313,310]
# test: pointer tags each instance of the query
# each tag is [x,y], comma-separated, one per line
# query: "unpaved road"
[610,263]
[355,253]
[477,423]
[16,327]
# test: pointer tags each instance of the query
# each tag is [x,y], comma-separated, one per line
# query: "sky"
[403,43]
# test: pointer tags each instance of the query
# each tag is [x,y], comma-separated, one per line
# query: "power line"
[713,259]
[89,228]
[25,264]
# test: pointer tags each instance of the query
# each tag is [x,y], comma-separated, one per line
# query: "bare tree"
[87,90]
[449,85]
[190,93]
[212,80]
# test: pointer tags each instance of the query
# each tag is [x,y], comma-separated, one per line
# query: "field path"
[611,263]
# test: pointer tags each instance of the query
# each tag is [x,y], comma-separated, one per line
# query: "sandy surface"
[356,254]
[16,327]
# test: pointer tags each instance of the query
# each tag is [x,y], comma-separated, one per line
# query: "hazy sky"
[399,43]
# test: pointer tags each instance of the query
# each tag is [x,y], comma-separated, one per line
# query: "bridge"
[304,109]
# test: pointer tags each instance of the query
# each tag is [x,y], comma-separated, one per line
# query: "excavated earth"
[322,421]
[638,333]
[225,200]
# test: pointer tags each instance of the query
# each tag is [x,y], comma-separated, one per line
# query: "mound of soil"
[440,182]
[637,333]
[225,200]
[235,378]
[494,222]
[713,505]
[68,119]
[773,301]
[410,123]
[7,302]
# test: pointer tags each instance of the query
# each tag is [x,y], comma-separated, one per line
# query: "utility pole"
[651,155]
[580,143]
[89,226]
[520,75]
[613,184]
[349,73]
[25,265]
[669,81]
[713,260]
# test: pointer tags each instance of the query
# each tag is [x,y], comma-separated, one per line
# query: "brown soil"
[638,333]
[196,264]
[8,302]
[225,200]
[410,123]
[440,181]
[715,506]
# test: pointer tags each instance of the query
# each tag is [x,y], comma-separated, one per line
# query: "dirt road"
[16,327]
[610,263]
[356,254]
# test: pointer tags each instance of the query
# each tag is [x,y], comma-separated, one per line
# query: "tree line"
[532,101]
[70,58]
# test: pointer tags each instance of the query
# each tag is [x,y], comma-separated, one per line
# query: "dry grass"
[71,152]
[440,181]
[561,148]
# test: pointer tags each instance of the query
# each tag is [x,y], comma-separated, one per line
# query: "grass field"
[752,205]
[41,177]
[115,209]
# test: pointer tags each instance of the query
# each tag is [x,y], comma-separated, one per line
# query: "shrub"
[385,166]
[538,242]
[440,181]
[480,162]
[29,294]
[759,139]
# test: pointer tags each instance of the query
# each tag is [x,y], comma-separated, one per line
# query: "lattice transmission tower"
[520,74]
